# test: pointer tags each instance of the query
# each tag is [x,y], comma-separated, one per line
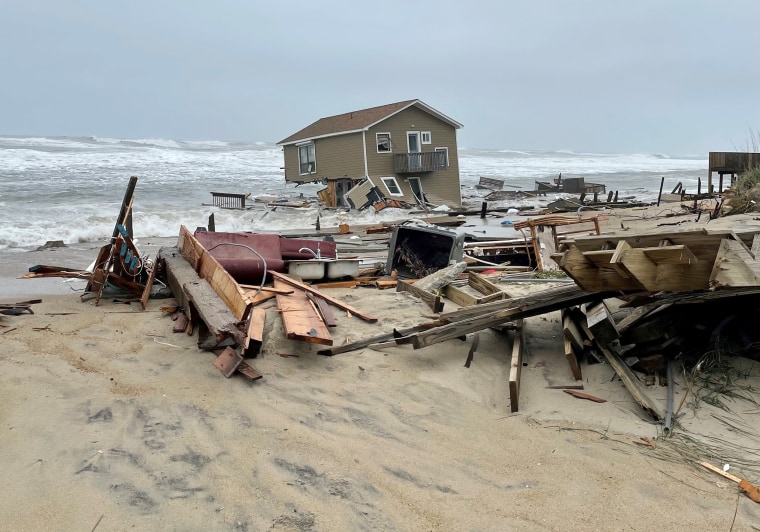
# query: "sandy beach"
[109,421]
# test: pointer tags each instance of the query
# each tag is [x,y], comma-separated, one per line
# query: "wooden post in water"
[483,209]
[211,223]
[662,184]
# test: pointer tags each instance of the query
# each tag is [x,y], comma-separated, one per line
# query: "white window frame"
[313,169]
[444,149]
[427,134]
[377,142]
[399,193]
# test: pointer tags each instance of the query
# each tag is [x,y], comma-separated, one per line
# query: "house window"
[441,158]
[383,142]
[426,137]
[392,185]
[307,159]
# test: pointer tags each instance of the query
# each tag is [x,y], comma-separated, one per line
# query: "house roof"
[360,120]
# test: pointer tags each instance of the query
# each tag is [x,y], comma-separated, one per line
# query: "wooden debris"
[747,487]
[473,347]
[299,317]
[228,361]
[323,308]
[490,291]
[431,300]
[583,395]
[516,368]
[297,284]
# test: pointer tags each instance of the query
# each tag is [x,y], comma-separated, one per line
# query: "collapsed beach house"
[399,152]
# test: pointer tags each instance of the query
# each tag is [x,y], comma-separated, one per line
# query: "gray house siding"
[440,186]
[336,157]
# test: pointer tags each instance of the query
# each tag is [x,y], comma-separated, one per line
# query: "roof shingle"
[353,121]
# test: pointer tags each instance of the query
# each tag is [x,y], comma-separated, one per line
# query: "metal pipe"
[669,400]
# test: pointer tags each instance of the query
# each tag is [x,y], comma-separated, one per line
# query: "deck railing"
[412,163]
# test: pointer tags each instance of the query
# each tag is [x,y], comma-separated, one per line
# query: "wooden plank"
[271,289]
[149,284]
[583,395]
[484,285]
[249,371]
[572,360]
[180,322]
[600,257]
[331,300]
[591,276]
[458,296]
[324,309]
[178,272]
[255,330]
[600,323]
[573,342]
[680,254]
[300,318]
[734,266]
[515,368]
[755,250]
[380,338]
[255,297]
[209,269]
[431,300]
[221,323]
[228,361]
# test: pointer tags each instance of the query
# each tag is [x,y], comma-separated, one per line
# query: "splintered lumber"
[515,368]
[338,303]
[473,319]
[300,318]
[209,269]
[431,300]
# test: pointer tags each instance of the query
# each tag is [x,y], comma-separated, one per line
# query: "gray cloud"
[672,77]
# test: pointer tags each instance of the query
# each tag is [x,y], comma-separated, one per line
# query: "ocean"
[71,188]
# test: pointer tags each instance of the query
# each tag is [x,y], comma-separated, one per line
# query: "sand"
[110,420]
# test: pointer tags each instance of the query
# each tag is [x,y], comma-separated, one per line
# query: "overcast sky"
[677,77]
